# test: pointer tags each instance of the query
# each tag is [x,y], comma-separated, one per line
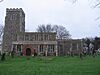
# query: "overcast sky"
[78,18]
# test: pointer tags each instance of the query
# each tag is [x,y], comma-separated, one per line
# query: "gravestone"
[3,57]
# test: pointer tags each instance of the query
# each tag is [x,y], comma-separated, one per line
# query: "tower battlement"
[14,9]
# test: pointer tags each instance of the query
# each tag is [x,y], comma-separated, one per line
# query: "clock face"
[1,0]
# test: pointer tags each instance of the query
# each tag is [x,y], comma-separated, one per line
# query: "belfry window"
[13,17]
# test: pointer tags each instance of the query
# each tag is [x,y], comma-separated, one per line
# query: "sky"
[80,18]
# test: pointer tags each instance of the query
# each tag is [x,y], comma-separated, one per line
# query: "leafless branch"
[97,18]
[1,0]
[97,5]
[72,1]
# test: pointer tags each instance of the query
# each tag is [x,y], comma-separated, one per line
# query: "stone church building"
[28,43]
[16,39]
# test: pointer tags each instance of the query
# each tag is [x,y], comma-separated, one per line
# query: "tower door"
[28,52]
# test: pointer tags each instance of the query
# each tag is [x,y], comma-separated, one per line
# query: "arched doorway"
[28,51]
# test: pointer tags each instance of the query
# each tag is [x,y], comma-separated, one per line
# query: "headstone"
[3,57]
[12,54]
[81,56]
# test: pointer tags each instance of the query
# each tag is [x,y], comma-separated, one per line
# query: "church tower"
[14,24]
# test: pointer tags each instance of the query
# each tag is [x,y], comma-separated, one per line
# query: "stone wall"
[71,45]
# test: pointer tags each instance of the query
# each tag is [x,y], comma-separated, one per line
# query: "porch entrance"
[28,52]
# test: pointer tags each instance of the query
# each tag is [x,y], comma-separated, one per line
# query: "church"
[16,39]
[29,43]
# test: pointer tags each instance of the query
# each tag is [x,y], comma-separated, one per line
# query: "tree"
[45,28]
[96,3]
[73,1]
[1,0]
[49,28]
[61,31]
[41,28]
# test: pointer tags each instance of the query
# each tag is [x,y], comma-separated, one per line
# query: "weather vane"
[1,0]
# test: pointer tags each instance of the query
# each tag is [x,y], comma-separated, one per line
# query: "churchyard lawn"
[50,66]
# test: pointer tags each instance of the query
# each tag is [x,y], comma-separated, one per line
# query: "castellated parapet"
[9,10]
[13,9]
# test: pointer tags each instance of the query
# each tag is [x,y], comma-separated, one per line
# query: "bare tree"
[41,28]
[49,28]
[96,3]
[1,0]
[44,28]
[72,1]
[61,31]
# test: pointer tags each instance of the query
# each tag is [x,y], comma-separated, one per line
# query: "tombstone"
[0,53]
[35,54]
[91,48]
[3,57]
[12,54]
[93,52]
[21,54]
[85,50]
[81,55]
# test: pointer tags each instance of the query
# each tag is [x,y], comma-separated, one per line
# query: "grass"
[50,66]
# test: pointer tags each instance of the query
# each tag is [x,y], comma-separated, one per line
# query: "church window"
[35,37]
[50,48]
[41,48]
[20,38]
[40,37]
[31,38]
[18,47]
[13,17]
[26,37]
[45,37]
